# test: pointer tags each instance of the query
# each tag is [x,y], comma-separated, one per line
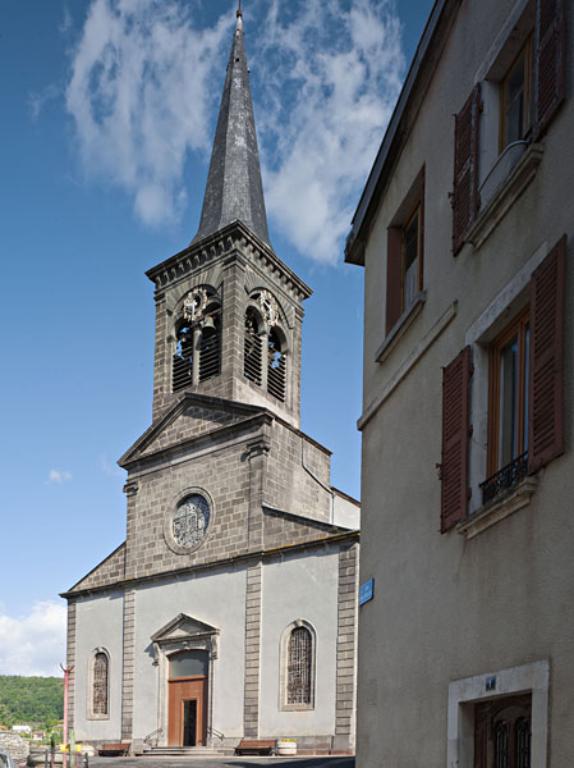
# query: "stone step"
[185,751]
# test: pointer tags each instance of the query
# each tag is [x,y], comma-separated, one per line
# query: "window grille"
[183,359]
[501,745]
[252,348]
[523,737]
[100,684]
[276,367]
[299,666]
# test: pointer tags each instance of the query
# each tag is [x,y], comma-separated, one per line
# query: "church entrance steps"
[187,752]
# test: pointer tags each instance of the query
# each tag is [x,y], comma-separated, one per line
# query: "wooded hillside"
[31,699]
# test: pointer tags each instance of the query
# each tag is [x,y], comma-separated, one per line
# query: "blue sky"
[108,110]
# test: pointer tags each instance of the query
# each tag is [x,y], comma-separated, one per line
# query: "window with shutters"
[405,257]
[508,409]
[497,132]
[100,678]
[298,667]
[518,380]
[516,98]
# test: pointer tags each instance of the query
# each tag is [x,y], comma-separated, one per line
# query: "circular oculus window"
[190,521]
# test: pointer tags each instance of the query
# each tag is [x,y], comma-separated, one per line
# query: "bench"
[255,747]
[114,749]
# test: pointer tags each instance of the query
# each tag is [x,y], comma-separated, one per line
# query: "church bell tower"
[228,310]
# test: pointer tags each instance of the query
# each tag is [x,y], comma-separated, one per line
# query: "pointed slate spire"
[234,189]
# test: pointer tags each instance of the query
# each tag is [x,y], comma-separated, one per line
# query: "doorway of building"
[502,732]
[187,699]
[190,723]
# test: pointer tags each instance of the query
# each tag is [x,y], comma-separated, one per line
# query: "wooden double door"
[502,733]
[187,712]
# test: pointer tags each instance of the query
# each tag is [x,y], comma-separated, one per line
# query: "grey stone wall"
[17,747]
[71,660]
[298,476]
[345,705]
[193,422]
[233,264]
[128,662]
[109,571]
[252,652]
[287,530]
[224,475]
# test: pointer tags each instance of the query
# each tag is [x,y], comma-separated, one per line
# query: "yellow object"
[66,748]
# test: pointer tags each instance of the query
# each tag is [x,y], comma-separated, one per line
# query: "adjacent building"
[230,610]
[465,230]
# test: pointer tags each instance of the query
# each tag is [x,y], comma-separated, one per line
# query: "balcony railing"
[505,478]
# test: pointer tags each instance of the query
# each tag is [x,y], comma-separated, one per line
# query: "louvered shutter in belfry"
[394,275]
[550,70]
[465,200]
[455,438]
[546,402]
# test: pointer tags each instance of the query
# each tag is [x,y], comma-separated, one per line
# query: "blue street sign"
[366,591]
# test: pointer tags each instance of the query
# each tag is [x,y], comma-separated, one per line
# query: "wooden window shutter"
[465,197]
[394,276]
[546,403]
[455,439]
[550,82]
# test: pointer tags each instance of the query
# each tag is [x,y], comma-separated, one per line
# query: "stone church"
[230,611]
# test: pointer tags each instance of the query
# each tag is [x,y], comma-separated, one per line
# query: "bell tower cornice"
[234,238]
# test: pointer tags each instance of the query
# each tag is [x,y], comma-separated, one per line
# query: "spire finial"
[239,14]
[239,11]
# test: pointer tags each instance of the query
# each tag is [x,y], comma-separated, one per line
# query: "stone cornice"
[204,252]
[186,400]
[255,556]
[188,448]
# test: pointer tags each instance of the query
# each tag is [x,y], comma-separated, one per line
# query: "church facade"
[230,611]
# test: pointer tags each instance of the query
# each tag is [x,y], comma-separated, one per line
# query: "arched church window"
[210,345]
[276,367]
[183,358]
[197,355]
[253,346]
[100,687]
[300,666]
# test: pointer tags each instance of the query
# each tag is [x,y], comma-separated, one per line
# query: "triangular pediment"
[192,416]
[183,627]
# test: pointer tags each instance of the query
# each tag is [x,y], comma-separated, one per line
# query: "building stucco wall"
[447,608]
[99,622]
[302,587]
[217,599]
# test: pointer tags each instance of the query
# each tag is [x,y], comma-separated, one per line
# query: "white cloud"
[59,476]
[347,68]
[140,98]
[142,91]
[35,643]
